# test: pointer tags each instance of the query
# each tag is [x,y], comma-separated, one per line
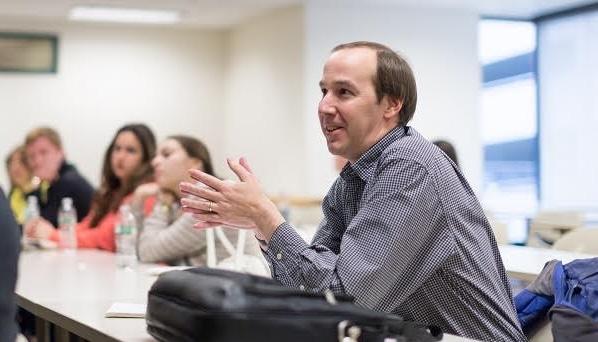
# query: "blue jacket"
[568,294]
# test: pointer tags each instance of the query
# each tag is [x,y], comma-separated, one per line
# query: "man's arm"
[395,242]
[9,251]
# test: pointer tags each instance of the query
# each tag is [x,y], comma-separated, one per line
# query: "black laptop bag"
[203,304]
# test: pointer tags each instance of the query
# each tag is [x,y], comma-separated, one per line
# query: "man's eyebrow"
[339,83]
[344,84]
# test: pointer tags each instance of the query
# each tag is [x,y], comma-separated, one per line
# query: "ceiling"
[226,13]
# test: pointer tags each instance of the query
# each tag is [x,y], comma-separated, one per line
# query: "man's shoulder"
[70,176]
[411,148]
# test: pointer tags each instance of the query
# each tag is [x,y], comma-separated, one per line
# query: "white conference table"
[73,290]
[525,263]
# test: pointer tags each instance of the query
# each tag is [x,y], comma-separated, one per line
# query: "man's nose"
[326,106]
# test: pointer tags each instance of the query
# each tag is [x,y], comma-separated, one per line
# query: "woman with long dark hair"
[127,164]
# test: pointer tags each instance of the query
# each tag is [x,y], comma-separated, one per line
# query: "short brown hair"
[46,132]
[394,77]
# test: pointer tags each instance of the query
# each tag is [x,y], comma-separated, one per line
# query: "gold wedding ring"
[210,206]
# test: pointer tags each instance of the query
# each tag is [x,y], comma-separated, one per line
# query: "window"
[568,70]
[509,122]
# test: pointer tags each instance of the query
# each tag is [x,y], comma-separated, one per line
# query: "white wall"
[252,91]
[441,46]
[568,111]
[265,98]
[107,76]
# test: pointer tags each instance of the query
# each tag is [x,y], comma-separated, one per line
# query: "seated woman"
[168,234]
[127,164]
[21,182]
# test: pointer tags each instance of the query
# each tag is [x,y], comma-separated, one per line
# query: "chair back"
[581,240]
[549,225]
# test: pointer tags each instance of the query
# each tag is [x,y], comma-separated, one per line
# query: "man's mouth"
[330,128]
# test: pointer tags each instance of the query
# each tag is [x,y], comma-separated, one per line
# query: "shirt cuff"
[286,238]
[284,254]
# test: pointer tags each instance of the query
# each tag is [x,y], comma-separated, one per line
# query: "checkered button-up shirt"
[404,233]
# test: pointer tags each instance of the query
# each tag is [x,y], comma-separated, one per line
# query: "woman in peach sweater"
[127,164]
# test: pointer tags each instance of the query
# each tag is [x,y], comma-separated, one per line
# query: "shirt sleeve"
[102,235]
[161,240]
[394,241]
[9,257]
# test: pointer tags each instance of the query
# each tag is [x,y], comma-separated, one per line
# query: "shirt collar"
[365,166]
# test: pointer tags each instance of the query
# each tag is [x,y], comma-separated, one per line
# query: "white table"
[72,291]
[526,263]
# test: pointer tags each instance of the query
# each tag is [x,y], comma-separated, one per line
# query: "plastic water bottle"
[67,224]
[32,209]
[126,238]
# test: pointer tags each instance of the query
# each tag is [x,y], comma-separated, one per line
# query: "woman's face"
[126,155]
[171,164]
[18,173]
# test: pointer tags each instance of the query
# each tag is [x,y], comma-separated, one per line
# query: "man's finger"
[207,217]
[206,179]
[204,225]
[198,205]
[243,174]
[199,191]
[245,164]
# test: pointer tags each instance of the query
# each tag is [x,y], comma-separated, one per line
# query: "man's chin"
[335,150]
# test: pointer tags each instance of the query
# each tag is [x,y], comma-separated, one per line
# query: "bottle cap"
[67,201]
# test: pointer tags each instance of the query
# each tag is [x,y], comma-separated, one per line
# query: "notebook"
[127,310]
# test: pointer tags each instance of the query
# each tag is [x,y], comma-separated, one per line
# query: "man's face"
[351,117]
[44,158]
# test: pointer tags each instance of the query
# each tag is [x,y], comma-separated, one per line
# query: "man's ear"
[392,107]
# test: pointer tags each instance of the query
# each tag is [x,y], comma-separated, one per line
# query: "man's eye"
[324,91]
[345,92]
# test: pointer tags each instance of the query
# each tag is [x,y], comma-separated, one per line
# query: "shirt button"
[301,287]
[279,256]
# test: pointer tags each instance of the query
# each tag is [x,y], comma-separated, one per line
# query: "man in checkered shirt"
[402,231]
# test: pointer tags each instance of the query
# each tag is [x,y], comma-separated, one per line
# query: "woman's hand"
[142,192]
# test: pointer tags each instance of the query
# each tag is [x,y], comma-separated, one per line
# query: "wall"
[265,98]
[172,79]
[441,46]
[251,91]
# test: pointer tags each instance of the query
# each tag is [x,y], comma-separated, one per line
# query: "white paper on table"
[156,271]
[127,310]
